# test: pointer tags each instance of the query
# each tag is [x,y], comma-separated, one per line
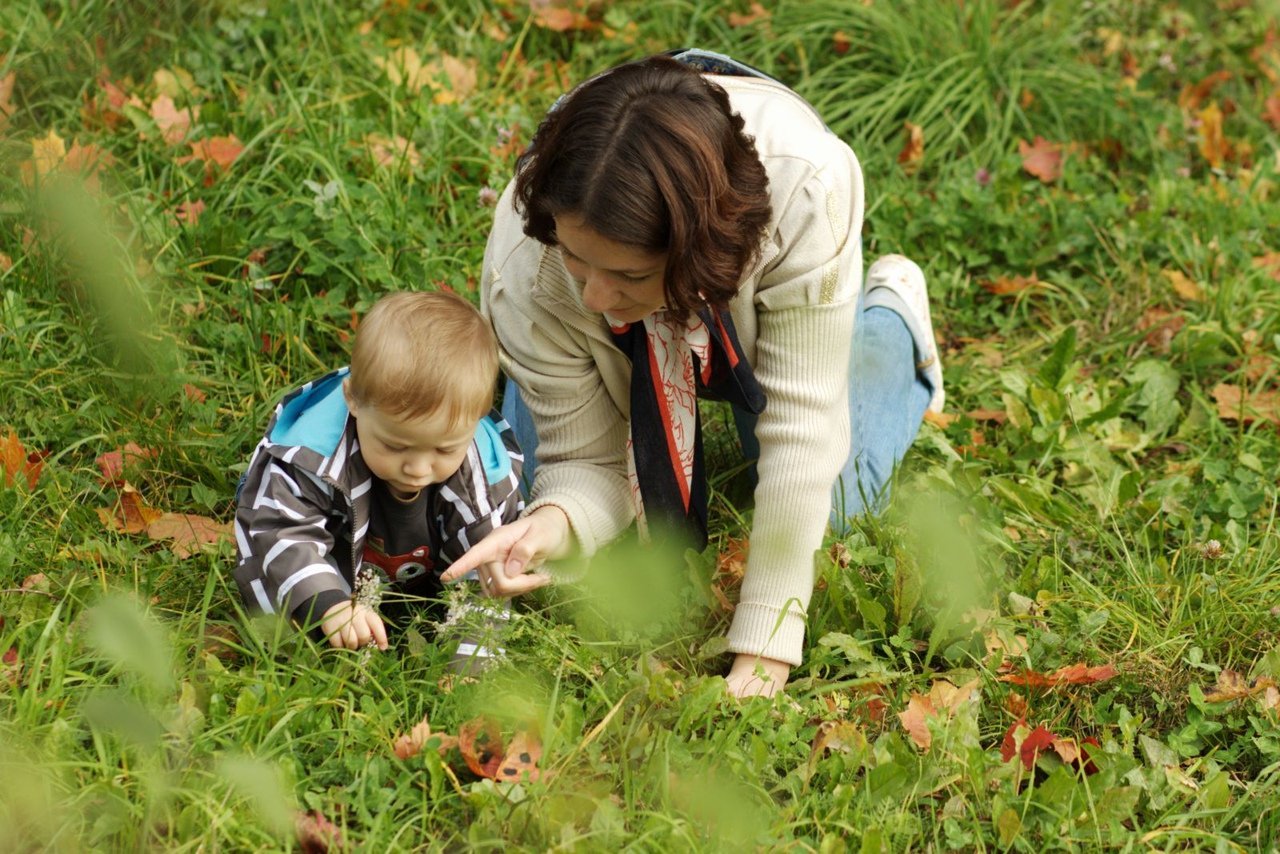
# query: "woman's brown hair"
[652,155]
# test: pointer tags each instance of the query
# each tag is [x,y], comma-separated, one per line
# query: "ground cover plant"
[1065,633]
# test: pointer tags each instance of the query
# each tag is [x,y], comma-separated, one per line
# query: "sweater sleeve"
[582,436]
[806,305]
[285,545]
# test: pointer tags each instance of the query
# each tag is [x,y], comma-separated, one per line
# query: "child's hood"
[314,416]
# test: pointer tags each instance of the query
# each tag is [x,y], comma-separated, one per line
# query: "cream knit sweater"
[794,314]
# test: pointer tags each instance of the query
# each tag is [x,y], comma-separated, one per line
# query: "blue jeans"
[887,400]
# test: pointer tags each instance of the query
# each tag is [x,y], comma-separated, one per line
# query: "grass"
[1106,514]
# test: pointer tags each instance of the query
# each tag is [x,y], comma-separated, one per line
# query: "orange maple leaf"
[521,758]
[480,743]
[217,151]
[1041,158]
[16,462]
[560,19]
[943,701]
[189,211]
[912,152]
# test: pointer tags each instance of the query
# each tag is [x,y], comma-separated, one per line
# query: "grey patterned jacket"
[303,505]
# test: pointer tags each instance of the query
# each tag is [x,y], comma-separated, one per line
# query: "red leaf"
[1075,674]
[16,462]
[1037,740]
[480,743]
[113,463]
[1041,158]
[912,148]
[11,667]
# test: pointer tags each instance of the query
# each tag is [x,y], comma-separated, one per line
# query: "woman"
[689,216]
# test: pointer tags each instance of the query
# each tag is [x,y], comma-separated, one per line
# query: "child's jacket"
[302,509]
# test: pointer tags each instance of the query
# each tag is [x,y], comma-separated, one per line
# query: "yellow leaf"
[1182,285]
[912,148]
[47,152]
[1213,146]
[7,106]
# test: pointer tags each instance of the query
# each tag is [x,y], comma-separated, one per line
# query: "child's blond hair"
[420,353]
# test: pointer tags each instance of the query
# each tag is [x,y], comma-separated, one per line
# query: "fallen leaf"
[176,83]
[480,743]
[1009,285]
[1213,144]
[755,14]
[1037,740]
[840,43]
[1075,674]
[1193,95]
[16,462]
[130,515]
[11,667]
[173,124]
[1017,705]
[1271,111]
[315,833]
[1161,325]
[1269,263]
[941,420]
[912,153]
[1271,699]
[112,464]
[1235,405]
[395,151]
[462,76]
[731,566]
[521,759]
[187,532]
[559,19]
[943,700]
[1041,159]
[216,152]
[47,152]
[194,394]
[996,416]
[1231,686]
[7,107]
[220,642]
[1182,285]
[403,67]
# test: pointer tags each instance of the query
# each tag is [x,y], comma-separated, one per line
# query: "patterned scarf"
[674,361]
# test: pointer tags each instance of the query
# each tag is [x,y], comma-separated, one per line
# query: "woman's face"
[619,280]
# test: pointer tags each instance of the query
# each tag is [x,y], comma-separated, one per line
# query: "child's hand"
[753,676]
[349,625]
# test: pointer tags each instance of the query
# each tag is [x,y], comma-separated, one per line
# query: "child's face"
[409,454]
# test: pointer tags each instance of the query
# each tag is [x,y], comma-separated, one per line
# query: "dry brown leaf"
[1192,96]
[187,532]
[216,152]
[755,14]
[189,211]
[480,743]
[1041,158]
[558,18]
[7,107]
[996,416]
[1271,111]
[1235,405]
[1213,144]
[47,153]
[521,759]
[941,420]
[1004,286]
[1269,263]
[912,153]
[1161,325]
[1183,285]
[130,515]
[1231,685]
[943,700]
[396,151]
[410,745]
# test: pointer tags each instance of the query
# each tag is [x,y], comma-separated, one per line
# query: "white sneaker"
[901,287]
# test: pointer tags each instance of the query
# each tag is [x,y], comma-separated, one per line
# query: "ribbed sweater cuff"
[768,632]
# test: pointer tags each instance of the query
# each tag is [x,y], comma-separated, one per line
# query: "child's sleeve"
[285,544]
[484,494]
